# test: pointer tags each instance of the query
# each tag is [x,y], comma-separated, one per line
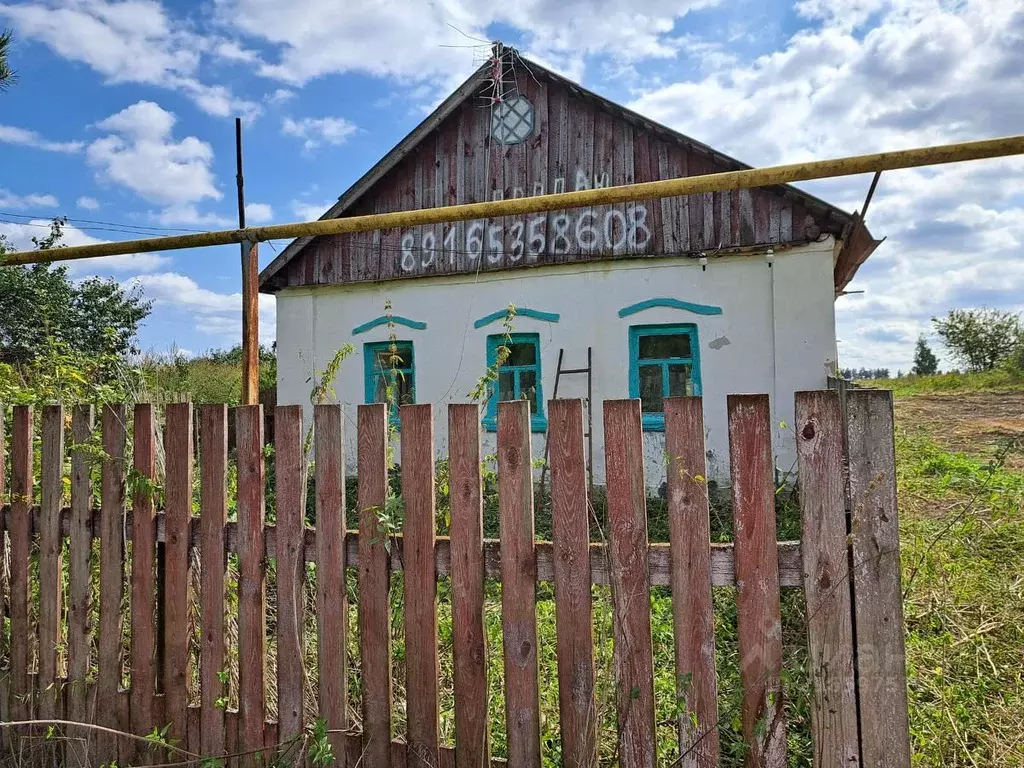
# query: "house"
[701,295]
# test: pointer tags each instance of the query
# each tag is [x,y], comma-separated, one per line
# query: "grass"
[962,537]
[999,379]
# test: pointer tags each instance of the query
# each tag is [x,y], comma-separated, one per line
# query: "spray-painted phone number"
[615,231]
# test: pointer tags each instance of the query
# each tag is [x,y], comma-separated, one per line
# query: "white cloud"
[20,236]
[133,41]
[141,154]
[258,213]
[280,96]
[190,215]
[231,50]
[214,313]
[408,40]
[87,203]
[10,134]
[21,202]
[318,130]
[877,76]
[307,211]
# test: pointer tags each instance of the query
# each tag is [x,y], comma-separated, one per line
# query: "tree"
[853,374]
[980,338]
[925,362]
[7,75]
[40,304]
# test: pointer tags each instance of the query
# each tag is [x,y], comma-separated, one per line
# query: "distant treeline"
[865,373]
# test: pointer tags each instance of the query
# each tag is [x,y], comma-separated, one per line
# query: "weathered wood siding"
[576,143]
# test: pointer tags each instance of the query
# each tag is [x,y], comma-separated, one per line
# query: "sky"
[122,120]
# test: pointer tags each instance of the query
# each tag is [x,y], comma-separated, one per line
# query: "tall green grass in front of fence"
[962,538]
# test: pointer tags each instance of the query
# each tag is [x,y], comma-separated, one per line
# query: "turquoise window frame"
[538,421]
[655,422]
[371,374]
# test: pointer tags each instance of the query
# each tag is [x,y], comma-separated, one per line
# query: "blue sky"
[123,115]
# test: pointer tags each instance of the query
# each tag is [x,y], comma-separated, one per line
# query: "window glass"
[400,357]
[651,388]
[664,346]
[528,388]
[506,385]
[680,383]
[521,354]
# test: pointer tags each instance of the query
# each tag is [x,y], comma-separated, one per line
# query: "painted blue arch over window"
[536,314]
[670,303]
[416,325]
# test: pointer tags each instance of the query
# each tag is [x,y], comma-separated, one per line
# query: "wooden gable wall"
[576,143]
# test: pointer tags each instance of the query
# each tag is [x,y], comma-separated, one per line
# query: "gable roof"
[858,243]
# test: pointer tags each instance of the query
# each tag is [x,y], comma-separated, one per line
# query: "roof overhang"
[857,242]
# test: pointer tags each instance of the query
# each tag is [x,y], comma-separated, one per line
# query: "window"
[518,377]
[390,364]
[663,362]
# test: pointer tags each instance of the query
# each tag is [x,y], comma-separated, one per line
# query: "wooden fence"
[131,671]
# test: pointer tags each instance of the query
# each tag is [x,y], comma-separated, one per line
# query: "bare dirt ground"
[976,423]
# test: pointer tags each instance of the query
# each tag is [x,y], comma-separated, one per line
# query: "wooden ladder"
[559,373]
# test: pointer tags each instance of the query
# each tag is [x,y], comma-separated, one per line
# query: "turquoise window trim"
[371,374]
[538,421]
[536,314]
[689,306]
[655,422]
[416,325]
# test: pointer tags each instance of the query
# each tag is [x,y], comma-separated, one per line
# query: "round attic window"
[512,120]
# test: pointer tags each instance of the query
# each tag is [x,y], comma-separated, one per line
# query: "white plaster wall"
[776,334]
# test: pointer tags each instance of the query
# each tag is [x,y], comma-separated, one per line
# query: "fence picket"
[518,583]
[757,580]
[50,559]
[692,608]
[570,517]
[5,584]
[421,662]
[877,592]
[232,742]
[21,502]
[213,457]
[80,582]
[143,578]
[112,509]
[332,594]
[178,450]
[251,582]
[374,575]
[467,536]
[291,512]
[819,435]
[194,743]
[633,656]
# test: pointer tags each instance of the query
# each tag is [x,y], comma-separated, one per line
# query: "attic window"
[512,120]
